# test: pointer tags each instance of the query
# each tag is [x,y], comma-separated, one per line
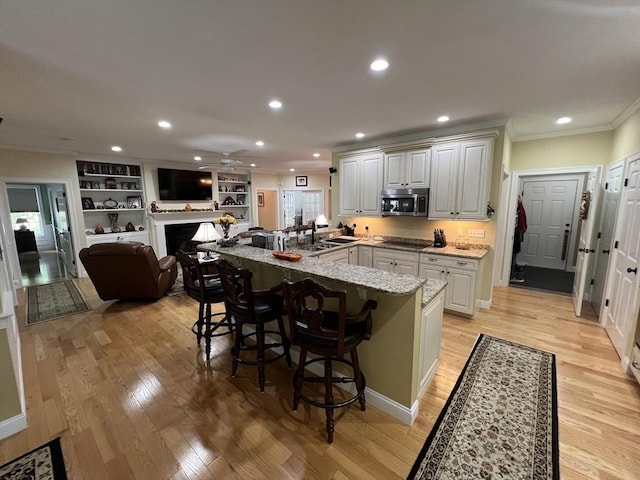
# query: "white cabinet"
[396,261]
[406,169]
[365,256]
[353,255]
[112,194]
[338,255]
[460,275]
[234,195]
[360,184]
[430,333]
[460,174]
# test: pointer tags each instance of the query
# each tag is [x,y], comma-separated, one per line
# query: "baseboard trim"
[13,425]
[486,304]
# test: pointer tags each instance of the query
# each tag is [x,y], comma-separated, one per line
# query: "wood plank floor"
[127,389]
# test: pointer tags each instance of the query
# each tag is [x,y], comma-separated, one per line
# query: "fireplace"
[178,237]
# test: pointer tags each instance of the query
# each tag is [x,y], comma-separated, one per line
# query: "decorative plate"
[110,203]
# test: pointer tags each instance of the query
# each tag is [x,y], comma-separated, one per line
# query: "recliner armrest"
[167,262]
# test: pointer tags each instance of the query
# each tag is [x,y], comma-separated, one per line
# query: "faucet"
[313,231]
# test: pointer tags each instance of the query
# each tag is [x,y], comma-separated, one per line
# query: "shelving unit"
[234,195]
[112,188]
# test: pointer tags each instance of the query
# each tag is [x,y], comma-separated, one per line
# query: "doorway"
[301,207]
[40,221]
[267,201]
[546,259]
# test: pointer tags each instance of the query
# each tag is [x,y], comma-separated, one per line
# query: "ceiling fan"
[225,163]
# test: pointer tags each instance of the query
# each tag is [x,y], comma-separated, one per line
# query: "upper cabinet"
[460,174]
[407,169]
[112,196]
[360,184]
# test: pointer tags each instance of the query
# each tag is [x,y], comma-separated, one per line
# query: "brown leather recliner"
[128,270]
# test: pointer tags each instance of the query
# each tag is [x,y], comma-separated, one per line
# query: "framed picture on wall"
[134,202]
[261,199]
[301,181]
[87,203]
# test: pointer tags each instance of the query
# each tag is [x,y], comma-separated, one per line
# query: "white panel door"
[349,186]
[608,215]
[394,170]
[623,285]
[370,182]
[460,294]
[584,263]
[550,206]
[473,175]
[417,167]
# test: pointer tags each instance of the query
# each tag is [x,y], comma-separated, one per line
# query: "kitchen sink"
[316,247]
[414,246]
[342,240]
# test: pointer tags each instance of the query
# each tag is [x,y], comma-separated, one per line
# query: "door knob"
[606,251]
[581,249]
[632,270]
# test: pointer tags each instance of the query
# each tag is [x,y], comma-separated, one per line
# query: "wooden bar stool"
[202,283]
[329,334]
[252,307]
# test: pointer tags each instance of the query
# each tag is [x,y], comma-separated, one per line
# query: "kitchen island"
[400,359]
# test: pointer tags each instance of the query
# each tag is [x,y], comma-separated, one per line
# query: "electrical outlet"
[475,233]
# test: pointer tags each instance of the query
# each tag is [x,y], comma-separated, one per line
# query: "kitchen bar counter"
[401,357]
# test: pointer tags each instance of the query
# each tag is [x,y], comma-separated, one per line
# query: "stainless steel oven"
[409,202]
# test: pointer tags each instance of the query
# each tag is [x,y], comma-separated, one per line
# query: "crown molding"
[626,113]
[564,133]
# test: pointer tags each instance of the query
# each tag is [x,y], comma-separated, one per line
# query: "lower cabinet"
[396,261]
[365,256]
[430,333]
[460,275]
[353,254]
[339,255]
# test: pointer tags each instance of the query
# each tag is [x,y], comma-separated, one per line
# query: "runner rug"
[500,421]
[53,300]
[43,463]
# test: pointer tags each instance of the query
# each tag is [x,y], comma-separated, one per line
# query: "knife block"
[440,241]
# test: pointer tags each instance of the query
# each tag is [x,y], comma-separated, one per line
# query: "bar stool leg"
[328,398]
[207,330]
[260,354]
[286,343]
[235,350]
[200,322]
[357,376]
[298,379]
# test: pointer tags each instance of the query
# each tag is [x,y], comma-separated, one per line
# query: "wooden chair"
[329,334]
[252,307]
[202,283]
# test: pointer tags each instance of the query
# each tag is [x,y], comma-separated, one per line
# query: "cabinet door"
[394,176]
[341,255]
[353,255]
[442,195]
[416,169]
[432,272]
[365,256]
[370,185]
[383,264]
[349,186]
[406,267]
[460,295]
[474,169]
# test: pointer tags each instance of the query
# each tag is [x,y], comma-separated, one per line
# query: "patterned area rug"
[500,421]
[178,287]
[53,300]
[43,463]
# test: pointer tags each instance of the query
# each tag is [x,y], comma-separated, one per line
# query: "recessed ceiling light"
[292,169]
[260,143]
[443,118]
[252,165]
[116,148]
[563,120]
[275,104]
[197,158]
[164,124]
[316,154]
[379,65]
[359,135]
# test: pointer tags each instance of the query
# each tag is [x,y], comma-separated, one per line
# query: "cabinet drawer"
[445,261]
[399,255]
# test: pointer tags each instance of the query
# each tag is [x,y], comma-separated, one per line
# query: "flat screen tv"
[184,184]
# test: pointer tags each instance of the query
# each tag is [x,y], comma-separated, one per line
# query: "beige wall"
[9,398]
[569,151]
[626,138]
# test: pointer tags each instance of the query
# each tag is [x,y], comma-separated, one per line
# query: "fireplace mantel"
[159,220]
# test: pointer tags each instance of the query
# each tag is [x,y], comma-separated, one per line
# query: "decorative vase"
[130,227]
[225,229]
[113,218]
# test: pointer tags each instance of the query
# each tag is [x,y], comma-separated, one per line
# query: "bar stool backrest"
[237,286]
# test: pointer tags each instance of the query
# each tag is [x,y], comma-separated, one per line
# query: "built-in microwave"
[410,202]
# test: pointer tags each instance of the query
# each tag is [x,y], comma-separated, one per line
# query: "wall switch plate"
[475,233]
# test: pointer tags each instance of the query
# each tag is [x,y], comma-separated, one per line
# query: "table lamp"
[206,233]
[22,223]
[321,221]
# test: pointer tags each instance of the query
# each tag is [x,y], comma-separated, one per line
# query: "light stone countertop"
[370,278]
[430,289]
[474,253]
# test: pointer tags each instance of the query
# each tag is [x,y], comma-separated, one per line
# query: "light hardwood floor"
[128,392]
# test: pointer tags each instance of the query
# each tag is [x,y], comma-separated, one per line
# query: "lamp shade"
[206,233]
[321,221]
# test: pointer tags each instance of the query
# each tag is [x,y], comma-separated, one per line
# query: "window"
[301,206]
[25,203]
